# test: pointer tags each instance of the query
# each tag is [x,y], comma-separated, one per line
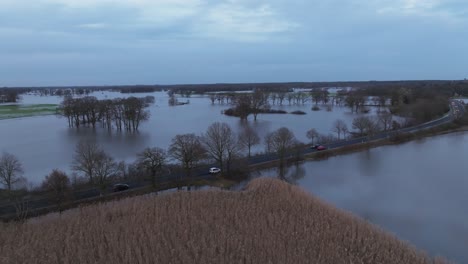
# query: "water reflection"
[416,190]
[295,173]
[44,143]
[369,162]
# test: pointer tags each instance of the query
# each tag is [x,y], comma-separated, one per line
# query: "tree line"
[120,113]
[411,103]
[219,144]
[9,95]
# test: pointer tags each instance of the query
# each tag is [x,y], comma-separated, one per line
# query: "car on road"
[321,148]
[214,170]
[120,187]
[315,146]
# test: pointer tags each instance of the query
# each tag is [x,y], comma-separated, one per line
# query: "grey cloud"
[333,40]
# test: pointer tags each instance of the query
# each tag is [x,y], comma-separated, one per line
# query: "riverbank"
[9,111]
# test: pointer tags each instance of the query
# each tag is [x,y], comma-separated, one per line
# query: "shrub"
[298,112]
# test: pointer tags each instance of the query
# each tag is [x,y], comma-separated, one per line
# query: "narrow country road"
[457,109]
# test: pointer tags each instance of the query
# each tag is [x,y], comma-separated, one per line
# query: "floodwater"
[417,190]
[46,142]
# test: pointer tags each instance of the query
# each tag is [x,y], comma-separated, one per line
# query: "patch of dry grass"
[270,222]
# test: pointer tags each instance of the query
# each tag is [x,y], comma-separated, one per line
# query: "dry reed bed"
[270,222]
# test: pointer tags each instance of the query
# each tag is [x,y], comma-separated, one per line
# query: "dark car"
[120,187]
[315,146]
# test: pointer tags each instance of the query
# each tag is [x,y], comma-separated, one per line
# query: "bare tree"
[281,96]
[58,183]
[105,168]
[373,126]
[217,140]
[153,160]
[382,100]
[339,127]
[316,95]
[355,100]
[385,120]
[259,102]
[248,138]
[94,163]
[361,123]
[84,161]
[122,168]
[345,132]
[11,170]
[242,106]
[187,149]
[233,151]
[325,139]
[172,100]
[365,125]
[135,112]
[212,98]
[281,142]
[312,134]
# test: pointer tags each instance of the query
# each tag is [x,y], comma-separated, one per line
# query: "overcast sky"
[104,42]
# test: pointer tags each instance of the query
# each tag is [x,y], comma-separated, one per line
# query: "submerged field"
[15,111]
[269,222]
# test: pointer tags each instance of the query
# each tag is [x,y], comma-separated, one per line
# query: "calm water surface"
[46,142]
[418,190]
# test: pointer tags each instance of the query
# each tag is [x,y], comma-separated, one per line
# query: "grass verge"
[17,110]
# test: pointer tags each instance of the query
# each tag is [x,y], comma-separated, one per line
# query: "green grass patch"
[19,110]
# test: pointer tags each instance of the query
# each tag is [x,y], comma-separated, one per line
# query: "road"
[457,110]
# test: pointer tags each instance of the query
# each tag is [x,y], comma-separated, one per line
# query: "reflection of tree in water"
[291,174]
[369,162]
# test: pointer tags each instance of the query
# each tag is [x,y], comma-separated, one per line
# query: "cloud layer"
[181,41]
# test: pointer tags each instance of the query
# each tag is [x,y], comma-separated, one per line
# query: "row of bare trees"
[121,113]
[277,98]
[219,144]
[245,104]
[361,125]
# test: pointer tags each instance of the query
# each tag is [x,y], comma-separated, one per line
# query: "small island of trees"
[120,113]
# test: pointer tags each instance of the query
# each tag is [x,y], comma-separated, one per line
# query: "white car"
[215,170]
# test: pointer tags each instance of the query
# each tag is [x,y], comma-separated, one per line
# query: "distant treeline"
[121,113]
[459,87]
[9,95]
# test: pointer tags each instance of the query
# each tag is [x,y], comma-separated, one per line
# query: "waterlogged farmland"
[415,190]
[45,142]
[22,110]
